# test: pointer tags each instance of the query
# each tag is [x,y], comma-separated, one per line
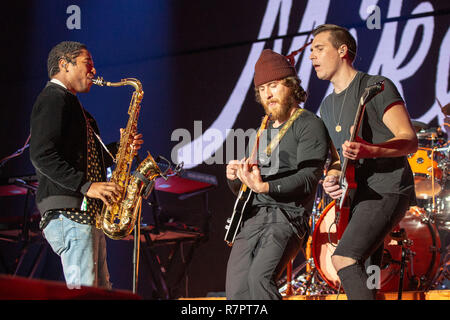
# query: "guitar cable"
[329,234]
[329,240]
[339,290]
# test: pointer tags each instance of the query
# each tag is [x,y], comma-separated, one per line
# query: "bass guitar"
[347,180]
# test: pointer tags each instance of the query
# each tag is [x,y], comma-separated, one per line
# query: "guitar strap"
[275,141]
[362,87]
[268,151]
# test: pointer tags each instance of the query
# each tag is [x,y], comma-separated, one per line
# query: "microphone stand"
[145,192]
[137,242]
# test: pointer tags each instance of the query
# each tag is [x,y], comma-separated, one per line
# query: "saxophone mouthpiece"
[99,81]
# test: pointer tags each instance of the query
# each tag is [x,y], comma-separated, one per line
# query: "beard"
[281,111]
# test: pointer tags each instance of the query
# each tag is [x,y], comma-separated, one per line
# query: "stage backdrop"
[195,60]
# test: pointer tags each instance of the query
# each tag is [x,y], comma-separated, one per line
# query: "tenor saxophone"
[118,220]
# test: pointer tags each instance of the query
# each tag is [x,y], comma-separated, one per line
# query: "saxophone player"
[70,163]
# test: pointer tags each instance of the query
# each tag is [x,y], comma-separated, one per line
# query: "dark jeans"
[261,251]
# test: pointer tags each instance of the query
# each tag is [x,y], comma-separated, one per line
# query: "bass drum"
[419,270]
[423,260]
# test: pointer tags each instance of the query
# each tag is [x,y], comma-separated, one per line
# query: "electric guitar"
[243,201]
[347,180]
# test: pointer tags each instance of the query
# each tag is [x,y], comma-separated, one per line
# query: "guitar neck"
[369,93]
[356,126]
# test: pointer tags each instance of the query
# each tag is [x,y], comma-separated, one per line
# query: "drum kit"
[413,256]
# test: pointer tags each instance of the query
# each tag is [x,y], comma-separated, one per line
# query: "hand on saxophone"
[137,141]
[108,192]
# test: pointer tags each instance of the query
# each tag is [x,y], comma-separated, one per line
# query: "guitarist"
[276,224]
[385,185]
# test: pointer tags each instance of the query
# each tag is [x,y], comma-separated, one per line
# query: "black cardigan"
[58,149]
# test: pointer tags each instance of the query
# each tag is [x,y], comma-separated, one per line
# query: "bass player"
[384,180]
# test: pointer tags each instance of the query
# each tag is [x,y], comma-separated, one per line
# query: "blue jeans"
[82,249]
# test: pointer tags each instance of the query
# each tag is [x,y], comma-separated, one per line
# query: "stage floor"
[406,295]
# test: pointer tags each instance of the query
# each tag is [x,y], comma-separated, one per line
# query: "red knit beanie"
[272,66]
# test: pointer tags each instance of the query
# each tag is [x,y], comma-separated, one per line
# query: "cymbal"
[419,125]
[431,134]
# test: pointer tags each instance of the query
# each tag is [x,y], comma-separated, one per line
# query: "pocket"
[400,210]
[82,231]
[299,222]
[54,235]
[74,231]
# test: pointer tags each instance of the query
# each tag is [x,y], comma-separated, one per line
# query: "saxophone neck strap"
[88,126]
[104,147]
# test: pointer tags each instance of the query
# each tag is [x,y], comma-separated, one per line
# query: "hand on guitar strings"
[357,149]
[232,168]
[250,175]
[331,186]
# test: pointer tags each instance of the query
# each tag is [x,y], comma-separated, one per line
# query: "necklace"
[338,127]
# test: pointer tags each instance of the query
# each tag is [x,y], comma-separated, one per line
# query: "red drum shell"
[425,246]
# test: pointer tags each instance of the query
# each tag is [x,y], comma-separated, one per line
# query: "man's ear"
[343,50]
[62,63]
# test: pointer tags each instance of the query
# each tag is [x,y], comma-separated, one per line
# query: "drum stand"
[443,272]
[403,241]
[310,282]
